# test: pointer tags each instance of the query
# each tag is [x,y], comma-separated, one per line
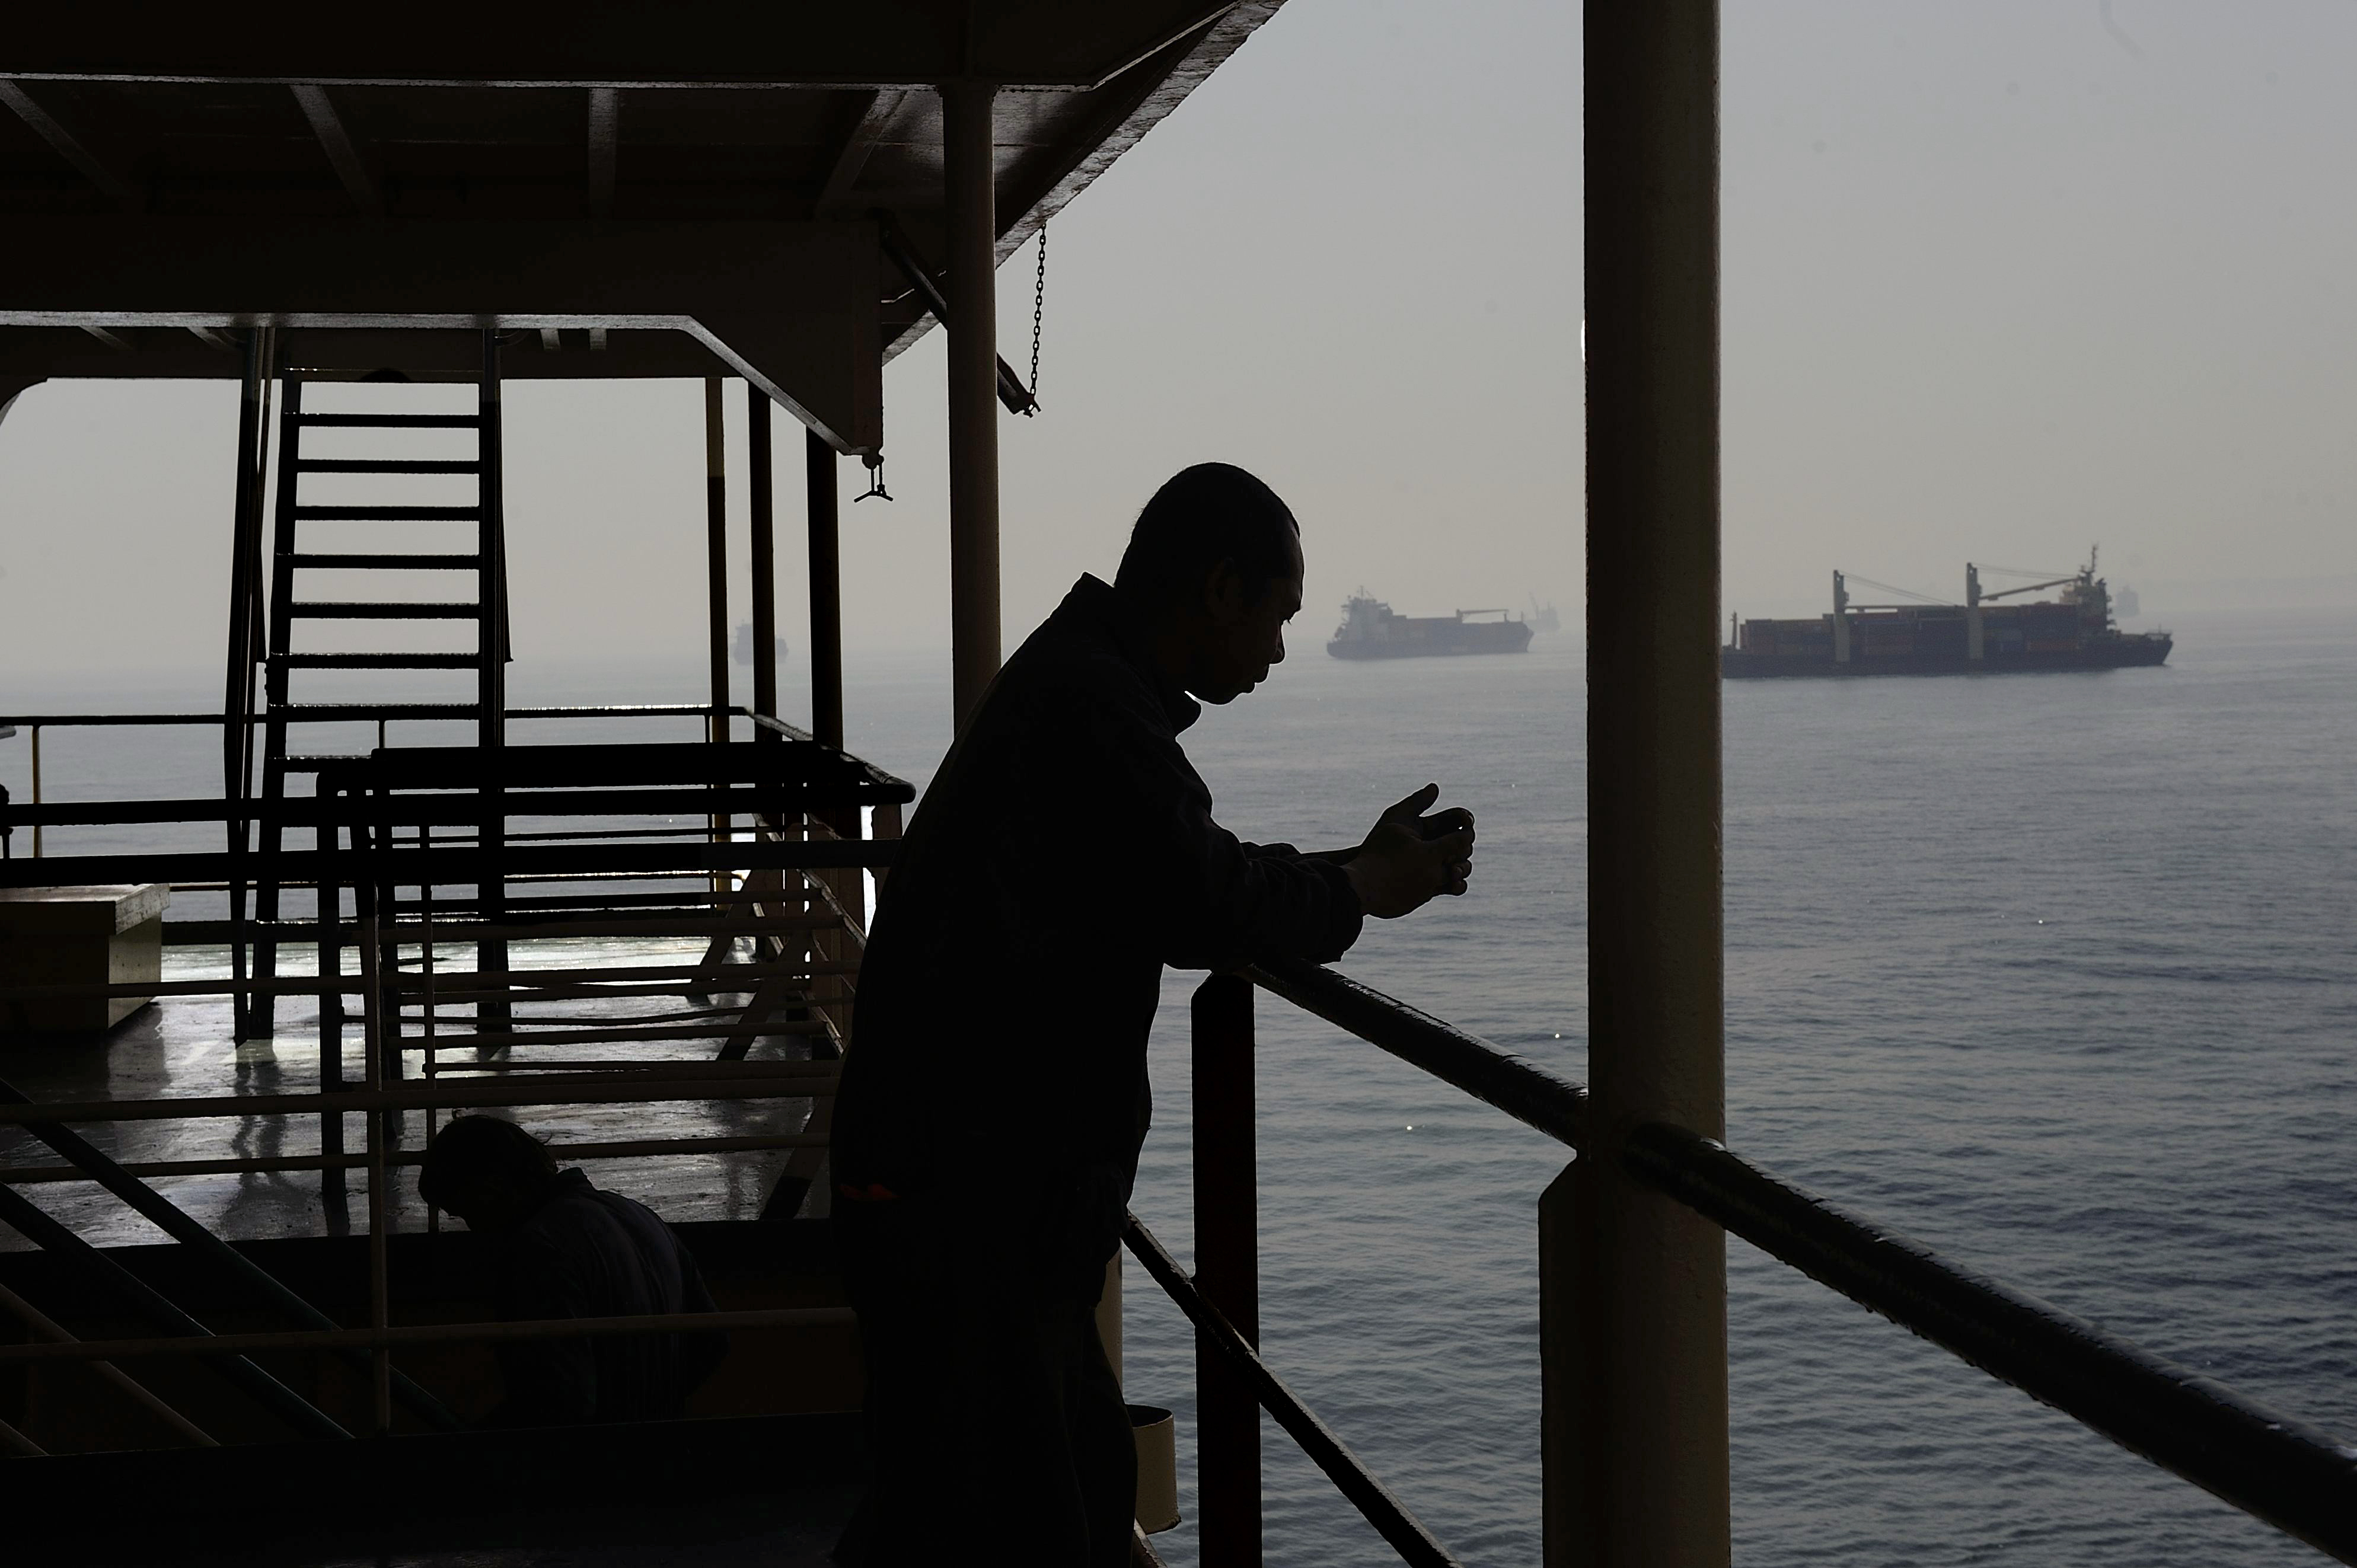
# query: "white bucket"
[1157,1433]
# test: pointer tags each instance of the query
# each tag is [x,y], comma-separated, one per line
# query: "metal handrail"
[1390,1516]
[248,811]
[2291,1474]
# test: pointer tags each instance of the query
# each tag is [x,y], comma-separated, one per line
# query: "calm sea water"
[2051,971]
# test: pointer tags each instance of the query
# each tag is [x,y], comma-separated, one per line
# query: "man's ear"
[1224,592]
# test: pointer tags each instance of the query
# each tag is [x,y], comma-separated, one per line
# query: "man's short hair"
[1200,516]
[478,1152]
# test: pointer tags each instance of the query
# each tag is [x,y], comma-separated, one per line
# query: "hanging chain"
[1038,309]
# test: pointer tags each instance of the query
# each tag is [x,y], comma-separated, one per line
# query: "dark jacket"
[1064,853]
[586,1253]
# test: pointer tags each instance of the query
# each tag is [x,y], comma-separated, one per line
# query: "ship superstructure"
[1372,629]
[2072,631]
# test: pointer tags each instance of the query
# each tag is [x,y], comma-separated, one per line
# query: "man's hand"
[1409,858]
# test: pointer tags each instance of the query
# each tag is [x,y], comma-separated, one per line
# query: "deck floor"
[182,1047]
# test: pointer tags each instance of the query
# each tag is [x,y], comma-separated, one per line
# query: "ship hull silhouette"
[1372,629]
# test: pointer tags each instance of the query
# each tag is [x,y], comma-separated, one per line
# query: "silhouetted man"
[562,1249]
[993,1106]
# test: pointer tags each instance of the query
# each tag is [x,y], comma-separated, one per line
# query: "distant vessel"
[1543,616]
[2074,631]
[1371,630]
[745,645]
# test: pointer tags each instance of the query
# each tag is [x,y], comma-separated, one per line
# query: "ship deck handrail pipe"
[438,808]
[1374,1501]
[553,1088]
[183,1227]
[38,1226]
[2273,1466]
[1513,1084]
[275,1165]
[2292,1474]
[622,981]
[411,867]
[397,1336]
[571,711]
[41,1323]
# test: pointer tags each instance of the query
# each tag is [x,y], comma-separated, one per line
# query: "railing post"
[1645,1482]
[763,552]
[1227,1271]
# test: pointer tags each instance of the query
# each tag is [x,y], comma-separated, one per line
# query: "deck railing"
[2293,1476]
[784,878]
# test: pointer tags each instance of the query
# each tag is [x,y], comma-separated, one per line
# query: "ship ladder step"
[384,609]
[371,712]
[378,494]
[400,562]
[377,661]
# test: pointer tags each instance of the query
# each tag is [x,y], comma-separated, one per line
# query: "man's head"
[1215,560]
[489,1173]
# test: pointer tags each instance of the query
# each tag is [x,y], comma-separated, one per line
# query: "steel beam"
[791,307]
[604,142]
[825,593]
[970,197]
[66,145]
[842,170]
[343,153]
[630,43]
[1639,1474]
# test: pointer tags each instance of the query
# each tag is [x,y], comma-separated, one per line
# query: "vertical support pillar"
[1645,1481]
[716,556]
[757,497]
[237,695]
[1227,1271]
[972,288]
[715,552]
[825,591]
[492,665]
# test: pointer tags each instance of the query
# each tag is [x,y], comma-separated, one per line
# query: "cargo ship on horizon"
[2073,631]
[1372,629]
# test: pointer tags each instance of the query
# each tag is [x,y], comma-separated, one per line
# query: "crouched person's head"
[489,1173]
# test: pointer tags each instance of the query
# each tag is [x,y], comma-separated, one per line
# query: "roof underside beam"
[626,43]
[336,141]
[790,306]
[67,144]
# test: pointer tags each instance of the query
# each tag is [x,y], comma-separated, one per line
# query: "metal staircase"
[483,570]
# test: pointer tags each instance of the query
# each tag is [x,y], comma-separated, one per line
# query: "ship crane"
[2029,588]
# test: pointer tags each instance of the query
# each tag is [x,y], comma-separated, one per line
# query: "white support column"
[1635,1347]
[968,176]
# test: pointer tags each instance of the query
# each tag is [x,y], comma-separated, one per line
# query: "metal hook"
[875,479]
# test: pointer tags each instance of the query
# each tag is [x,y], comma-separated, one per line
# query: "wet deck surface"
[181,1047]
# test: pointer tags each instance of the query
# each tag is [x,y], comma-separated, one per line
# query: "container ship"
[2073,631]
[1372,629]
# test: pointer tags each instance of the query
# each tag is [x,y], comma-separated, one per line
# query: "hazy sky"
[2001,280]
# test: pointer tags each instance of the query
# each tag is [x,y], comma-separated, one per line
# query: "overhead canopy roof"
[667,180]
